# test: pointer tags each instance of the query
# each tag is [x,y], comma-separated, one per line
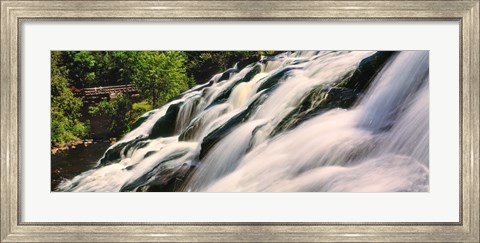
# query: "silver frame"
[465,12]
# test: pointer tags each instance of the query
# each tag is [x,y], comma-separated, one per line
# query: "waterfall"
[351,121]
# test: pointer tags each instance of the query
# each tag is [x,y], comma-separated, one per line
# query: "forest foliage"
[157,75]
[65,107]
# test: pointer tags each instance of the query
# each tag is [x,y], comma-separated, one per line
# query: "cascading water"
[355,121]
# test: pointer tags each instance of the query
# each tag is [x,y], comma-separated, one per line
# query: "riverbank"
[61,148]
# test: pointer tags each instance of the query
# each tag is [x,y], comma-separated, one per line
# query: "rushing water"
[301,121]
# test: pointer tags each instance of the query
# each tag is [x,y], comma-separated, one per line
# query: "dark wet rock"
[158,174]
[165,126]
[275,78]
[297,62]
[114,153]
[226,75]
[247,61]
[223,96]
[275,57]
[366,71]
[342,95]
[149,153]
[189,132]
[140,120]
[210,83]
[171,180]
[216,135]
[134,145]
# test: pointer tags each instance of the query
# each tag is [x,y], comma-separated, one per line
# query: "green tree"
[159,76]
[81,66]
[65,107]
[120,113]
[116,112]
[97,68]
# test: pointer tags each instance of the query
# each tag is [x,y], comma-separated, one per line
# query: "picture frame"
[13,230]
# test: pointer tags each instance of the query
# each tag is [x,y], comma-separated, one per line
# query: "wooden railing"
[128,88]
[98,93]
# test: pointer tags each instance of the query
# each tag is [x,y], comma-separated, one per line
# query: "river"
[67,164]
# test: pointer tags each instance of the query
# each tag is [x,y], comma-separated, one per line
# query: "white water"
[380,144]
